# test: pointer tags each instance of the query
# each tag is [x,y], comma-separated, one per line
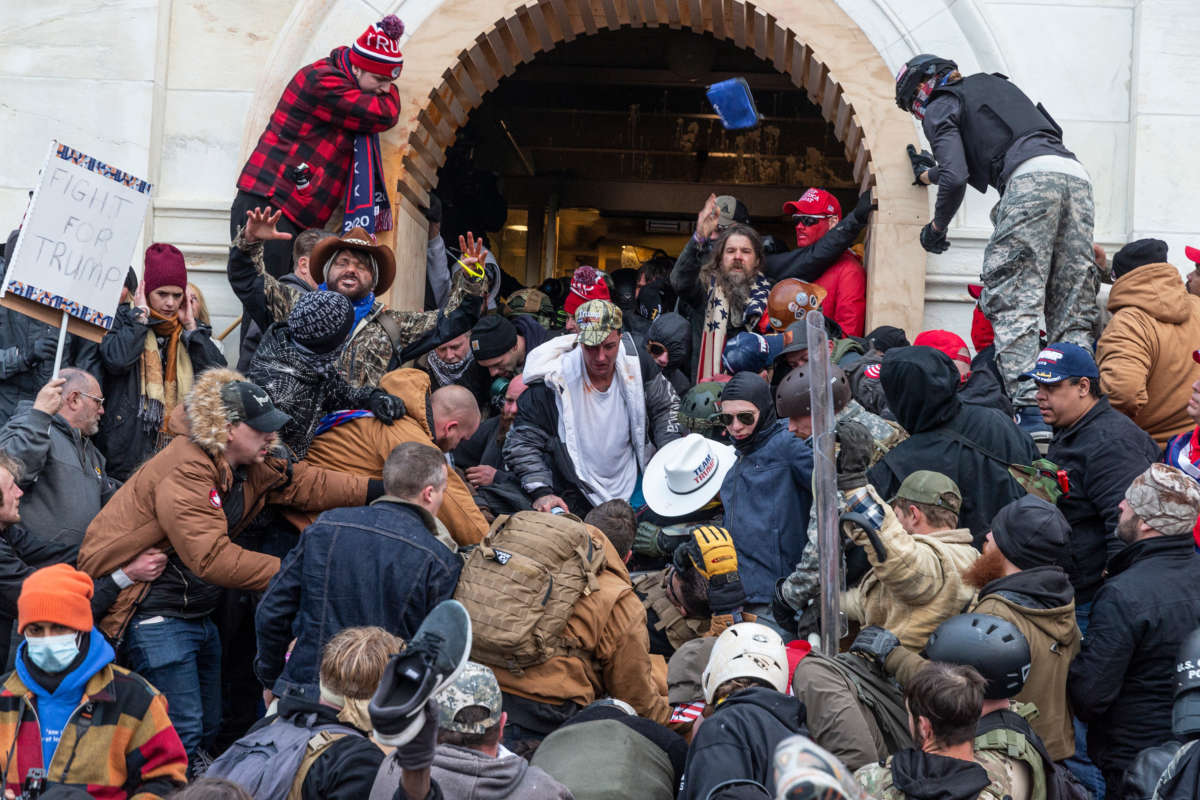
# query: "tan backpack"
[520,586]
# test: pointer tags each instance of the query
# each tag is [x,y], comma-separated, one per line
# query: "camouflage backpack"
[520,586]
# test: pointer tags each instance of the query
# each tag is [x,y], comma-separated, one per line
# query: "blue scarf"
[367,204]
[361,307]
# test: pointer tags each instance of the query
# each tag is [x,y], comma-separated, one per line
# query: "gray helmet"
[1185,715]
[993,646]
[792,397]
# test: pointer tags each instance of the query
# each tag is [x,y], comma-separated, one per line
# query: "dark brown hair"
[938,516]
[616,520]
[950,696]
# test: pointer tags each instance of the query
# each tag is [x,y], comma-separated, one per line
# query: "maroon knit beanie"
[164,267]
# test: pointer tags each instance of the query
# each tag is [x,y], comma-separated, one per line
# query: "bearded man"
[727,293]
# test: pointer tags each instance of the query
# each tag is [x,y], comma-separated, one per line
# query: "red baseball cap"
[975,289]
[1193,254]
[949,343]
[814,202]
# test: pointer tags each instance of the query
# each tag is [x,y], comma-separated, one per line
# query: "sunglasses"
[656,349]
[744,417]
[806,220]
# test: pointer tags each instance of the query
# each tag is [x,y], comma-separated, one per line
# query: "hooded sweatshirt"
[917,775]
[55,707]
[674,332]
[466,774]
[738,741]
[1145,353]
[970,444]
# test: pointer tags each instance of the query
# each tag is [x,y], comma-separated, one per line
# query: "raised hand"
[261,226]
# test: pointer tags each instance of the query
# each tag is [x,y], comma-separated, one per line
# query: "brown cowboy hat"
[357,239]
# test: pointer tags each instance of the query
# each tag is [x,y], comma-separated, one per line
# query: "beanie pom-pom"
[391,26]
[586,275]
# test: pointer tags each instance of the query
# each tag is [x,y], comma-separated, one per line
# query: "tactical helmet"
[746,650]
[919,69]
[792,397]
[532,302]
[791,299]
[698,409]
[993,646]
[1185,715]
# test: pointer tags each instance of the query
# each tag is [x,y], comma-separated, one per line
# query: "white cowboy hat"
[686,474]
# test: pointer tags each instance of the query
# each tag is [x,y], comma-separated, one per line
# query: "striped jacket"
[117,744]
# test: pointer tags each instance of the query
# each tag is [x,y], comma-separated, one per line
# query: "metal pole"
[62,340]
[825,500]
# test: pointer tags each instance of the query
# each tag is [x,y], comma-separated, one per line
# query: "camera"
[34,785]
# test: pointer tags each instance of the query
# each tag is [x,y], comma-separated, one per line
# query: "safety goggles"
[807,220]
[656,349]
[744,417]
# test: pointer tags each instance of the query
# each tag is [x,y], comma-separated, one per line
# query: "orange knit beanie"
[59,594]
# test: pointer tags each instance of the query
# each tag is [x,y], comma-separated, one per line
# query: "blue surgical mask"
[53,653]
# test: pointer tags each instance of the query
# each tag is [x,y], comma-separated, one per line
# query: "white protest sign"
[78,237]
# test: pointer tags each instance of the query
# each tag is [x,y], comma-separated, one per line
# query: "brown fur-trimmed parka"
[175,502]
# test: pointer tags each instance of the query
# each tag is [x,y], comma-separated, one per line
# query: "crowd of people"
[562,541]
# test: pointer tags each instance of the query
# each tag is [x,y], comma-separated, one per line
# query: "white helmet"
[746,650]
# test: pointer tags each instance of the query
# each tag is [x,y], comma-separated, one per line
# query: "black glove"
[875,643]
[864,207]
[418,752]
[856,445]
[725,593]
[387,408]
[934,241]
[922,162]
[655,542]
[43,349]
[785,616]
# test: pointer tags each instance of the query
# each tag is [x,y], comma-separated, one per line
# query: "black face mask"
[750,386]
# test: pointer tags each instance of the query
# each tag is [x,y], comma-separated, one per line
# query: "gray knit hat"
[1166,499]
[321,321]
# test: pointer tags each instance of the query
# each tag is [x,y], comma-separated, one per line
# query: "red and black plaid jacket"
[315,122]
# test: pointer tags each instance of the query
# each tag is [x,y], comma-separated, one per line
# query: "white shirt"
[605,443]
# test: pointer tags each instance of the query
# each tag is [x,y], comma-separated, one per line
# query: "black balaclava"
[751,387]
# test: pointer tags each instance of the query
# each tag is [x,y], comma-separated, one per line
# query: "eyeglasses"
[744,417]
[806,220]
[99,400]
[656,349]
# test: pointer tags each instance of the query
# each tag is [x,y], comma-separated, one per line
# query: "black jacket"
[985,387]
[124,439]
[1102,453]
[738,741]
[925,776]
[673,332]
[970,444]
[346,770]
[22,553]
[20,379]
[1122,681]
[252,332]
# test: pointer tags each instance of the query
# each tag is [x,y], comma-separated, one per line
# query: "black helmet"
[993,646]
[792,397]
[916,71]
[1185,715]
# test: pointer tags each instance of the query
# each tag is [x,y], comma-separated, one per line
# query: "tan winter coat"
[1145,353]
[610,625]
[361,446]
[918,585]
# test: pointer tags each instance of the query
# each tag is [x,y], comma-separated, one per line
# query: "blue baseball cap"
[1060,361]
[751,352]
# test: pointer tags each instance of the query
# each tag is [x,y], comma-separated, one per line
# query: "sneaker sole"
[413,728]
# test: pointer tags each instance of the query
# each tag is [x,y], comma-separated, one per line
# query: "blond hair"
[353,661]
[202,305]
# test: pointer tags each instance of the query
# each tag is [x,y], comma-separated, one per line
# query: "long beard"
[736,286]
[987,568]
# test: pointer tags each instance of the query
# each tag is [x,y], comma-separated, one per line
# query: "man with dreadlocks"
[985,132]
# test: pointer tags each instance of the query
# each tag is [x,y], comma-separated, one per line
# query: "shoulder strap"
[391,328]
[316,747]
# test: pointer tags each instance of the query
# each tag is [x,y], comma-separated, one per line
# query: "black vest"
[995,113]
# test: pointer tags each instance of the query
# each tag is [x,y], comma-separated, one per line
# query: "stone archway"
[465,47]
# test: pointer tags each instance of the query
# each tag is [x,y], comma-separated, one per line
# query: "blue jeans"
[1079,764]
[182,659]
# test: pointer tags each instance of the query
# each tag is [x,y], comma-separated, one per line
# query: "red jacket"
[846,303]
[315,122]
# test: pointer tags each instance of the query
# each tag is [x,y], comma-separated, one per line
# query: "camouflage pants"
[1039,264]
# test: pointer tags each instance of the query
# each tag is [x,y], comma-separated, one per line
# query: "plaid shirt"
[315,122]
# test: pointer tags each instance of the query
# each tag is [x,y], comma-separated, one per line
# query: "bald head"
[455,416]
[82,403]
